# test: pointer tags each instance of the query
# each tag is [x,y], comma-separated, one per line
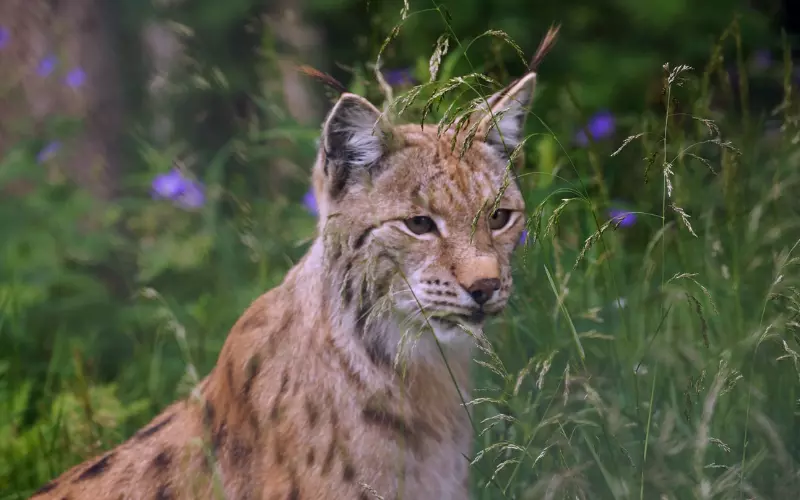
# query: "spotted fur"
[333,385]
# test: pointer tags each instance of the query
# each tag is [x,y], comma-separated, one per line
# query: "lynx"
[348,380]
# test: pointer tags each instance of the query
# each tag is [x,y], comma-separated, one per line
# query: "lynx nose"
[483,289]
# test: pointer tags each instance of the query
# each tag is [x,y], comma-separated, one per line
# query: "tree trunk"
[302,46]
[59,60]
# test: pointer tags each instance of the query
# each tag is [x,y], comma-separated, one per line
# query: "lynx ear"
[502,128]
[355,138]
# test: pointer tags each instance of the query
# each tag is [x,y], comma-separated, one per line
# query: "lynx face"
[433,230]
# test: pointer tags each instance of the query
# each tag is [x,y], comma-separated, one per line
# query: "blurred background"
[154,177]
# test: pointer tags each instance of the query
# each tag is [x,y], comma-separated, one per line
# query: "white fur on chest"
[441,475]
[437,468]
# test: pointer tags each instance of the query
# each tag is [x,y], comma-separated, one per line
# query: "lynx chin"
[334,384]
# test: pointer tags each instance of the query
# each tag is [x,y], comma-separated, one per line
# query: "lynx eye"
[420,224]
[499,219]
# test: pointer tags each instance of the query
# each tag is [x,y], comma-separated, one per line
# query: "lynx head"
[410,222]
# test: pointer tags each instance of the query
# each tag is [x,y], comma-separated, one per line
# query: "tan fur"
[332,384]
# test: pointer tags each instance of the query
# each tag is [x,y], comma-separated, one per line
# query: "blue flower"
[47,65]
[600,126]
[169,185]
[310,202]
[192,197]
[399,76]
[523,238]
[48,151]
[174,186]
[5,36]
[623,217]
[75,78]
[762,59]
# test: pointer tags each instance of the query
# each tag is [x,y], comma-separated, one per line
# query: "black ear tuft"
[505,125]
[354,140]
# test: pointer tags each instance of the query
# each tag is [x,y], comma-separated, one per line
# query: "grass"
[656,360]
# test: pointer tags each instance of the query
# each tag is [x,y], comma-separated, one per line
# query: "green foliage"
[656,360]
[609,50]
[96,301]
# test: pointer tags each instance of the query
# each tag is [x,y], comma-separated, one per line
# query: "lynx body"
[334,384]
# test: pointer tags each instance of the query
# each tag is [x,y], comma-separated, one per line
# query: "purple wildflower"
[192,197]
[399,76]
[174,186]
[762,59]
[5,36]
[523,238]
[48,151]
[310,202]
[75,78]
[600,126]
[622,217]
[47,65]
[169,185]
